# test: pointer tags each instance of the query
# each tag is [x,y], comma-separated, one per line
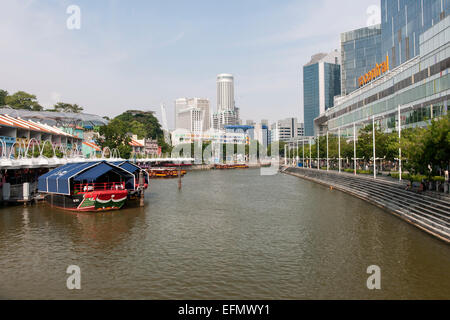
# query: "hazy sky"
[139,54]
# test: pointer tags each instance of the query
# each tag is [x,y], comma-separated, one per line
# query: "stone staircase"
[427,211]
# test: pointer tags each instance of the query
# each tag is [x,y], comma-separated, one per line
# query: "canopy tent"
[132,168]
[59,181]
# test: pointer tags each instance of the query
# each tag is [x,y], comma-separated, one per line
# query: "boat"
[230,166]
[139,173]
[162,173]
[88,186]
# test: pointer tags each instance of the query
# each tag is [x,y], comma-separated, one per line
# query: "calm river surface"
[226,235]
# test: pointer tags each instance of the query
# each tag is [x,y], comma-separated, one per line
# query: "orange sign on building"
[374,73]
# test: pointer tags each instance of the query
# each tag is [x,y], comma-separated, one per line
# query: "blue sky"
[138,54]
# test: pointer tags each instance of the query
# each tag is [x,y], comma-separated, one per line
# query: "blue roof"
[130,167]
[58,180]
[92,174]
[240,127]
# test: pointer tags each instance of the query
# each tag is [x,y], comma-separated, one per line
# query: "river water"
[225,235]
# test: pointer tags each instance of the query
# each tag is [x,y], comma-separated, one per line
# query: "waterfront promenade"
[425,211]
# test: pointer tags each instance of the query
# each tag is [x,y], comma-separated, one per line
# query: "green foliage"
[149,125]
[386,144]
[405,176]
[3,95]
[281,146]
[427,148]
[23,100]
[438,179]
[66,107]
[115,136]
[48,151]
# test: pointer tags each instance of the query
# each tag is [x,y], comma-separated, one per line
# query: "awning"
[58,181]
[132,168]
[94,173]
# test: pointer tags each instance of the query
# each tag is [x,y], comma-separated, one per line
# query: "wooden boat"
[230,166]
[164,173]
[88,186]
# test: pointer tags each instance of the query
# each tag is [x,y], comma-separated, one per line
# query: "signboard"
[376,72]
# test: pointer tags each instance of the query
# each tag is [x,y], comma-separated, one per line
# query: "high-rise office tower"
[360,53]
[225,92]
[402,23]
[227,113]
[286,130]
[321,83]
[192,114]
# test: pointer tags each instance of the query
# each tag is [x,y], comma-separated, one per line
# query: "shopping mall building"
[414,80]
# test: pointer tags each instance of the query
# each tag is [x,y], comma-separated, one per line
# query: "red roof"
[134,143]
[92,145]
[7,120]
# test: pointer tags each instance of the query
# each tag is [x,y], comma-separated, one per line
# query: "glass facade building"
[360,52]
[402,23]
[419,88]
[321,83]
[310,97]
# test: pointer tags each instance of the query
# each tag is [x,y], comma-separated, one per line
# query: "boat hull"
[96,201]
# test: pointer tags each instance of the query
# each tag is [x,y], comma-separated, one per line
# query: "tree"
[151,124]
[3,95]
[281,145]
[115,136]
[67,107]
[23,100]
[427,148]
[138,129]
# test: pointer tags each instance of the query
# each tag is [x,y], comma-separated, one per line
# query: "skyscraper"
[402,23]
[227,113]
[321,83]
[192,114]
[225,92]
[360,52]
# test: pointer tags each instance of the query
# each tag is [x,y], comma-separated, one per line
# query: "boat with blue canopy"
[91,186]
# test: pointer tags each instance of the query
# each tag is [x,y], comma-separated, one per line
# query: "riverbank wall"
[425,212]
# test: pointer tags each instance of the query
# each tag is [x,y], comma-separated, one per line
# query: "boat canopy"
[132,168]
[59,181]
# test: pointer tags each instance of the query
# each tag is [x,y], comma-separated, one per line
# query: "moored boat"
[88,186]
[162,173]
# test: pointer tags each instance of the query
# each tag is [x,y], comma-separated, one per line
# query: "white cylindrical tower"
[225,92]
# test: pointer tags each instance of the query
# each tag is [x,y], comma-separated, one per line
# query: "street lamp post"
[318,152]
[285,155]
[328,158]
[303,143]
[354,147]
[339,139]
[310,154]
[374,150]
[399,143]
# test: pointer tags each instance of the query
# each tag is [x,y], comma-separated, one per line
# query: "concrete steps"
[423,210]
